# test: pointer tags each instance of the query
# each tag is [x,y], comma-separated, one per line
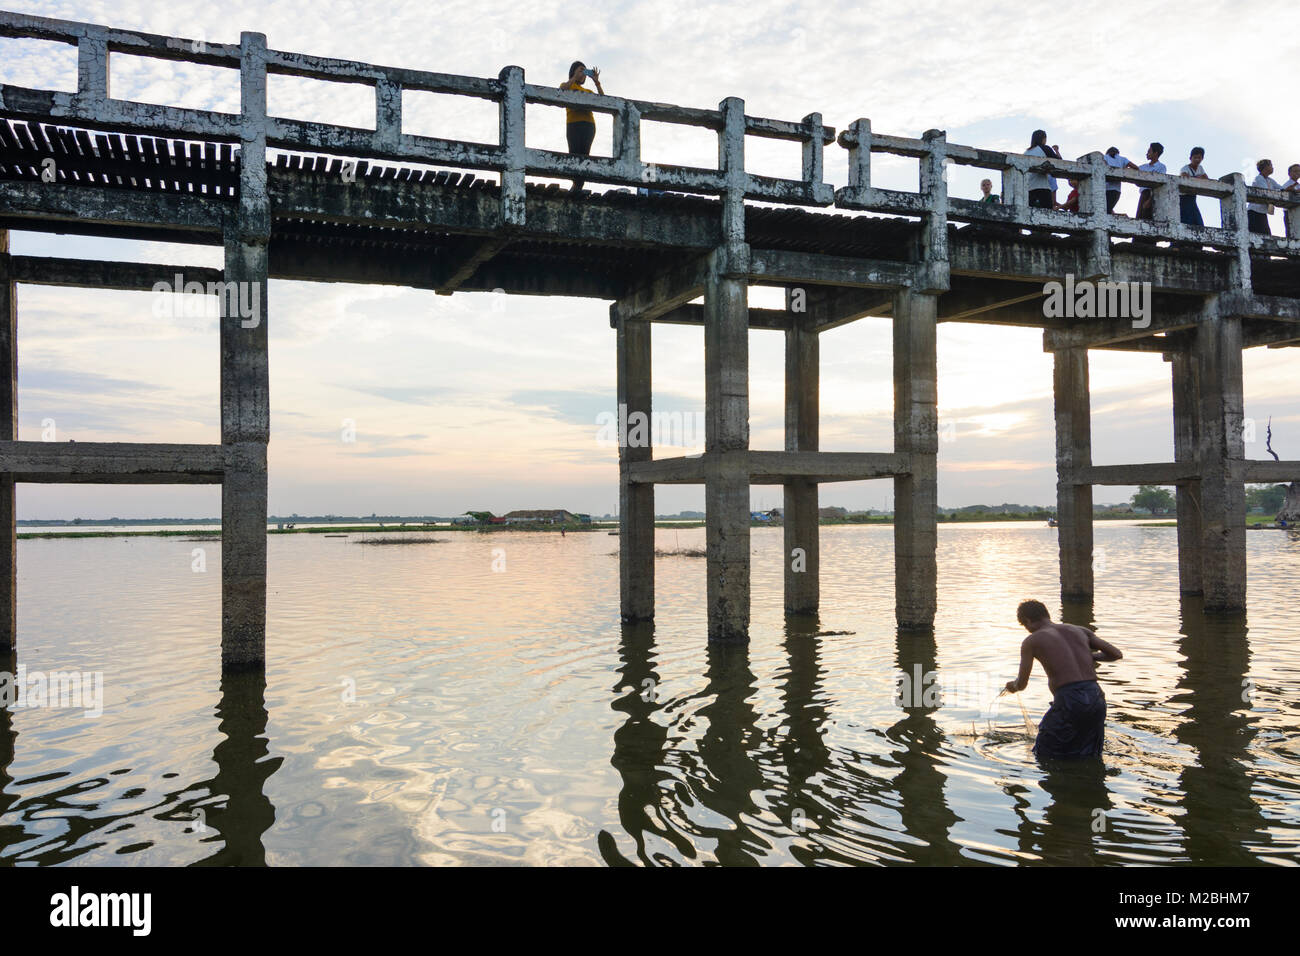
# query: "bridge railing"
[933,204]
[510,156]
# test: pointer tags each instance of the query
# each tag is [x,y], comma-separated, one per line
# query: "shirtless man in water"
[1074,724]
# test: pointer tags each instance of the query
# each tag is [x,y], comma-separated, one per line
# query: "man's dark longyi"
[1074,725]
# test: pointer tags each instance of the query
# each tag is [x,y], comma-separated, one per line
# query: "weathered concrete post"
[1232,212]
[1223,496]
[1073,452]
[636,501]
[802,546]
[1015,191]
[933,275]
[512,142]
[726,395]
[726,443]
[1187,433]
[8,432]
[731,163]
[1093,206]
[245,384]
[916,433]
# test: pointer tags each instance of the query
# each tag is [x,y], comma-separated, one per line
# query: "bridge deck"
[442,220]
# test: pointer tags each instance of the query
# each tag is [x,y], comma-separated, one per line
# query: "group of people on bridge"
[1042,185]
[580,128]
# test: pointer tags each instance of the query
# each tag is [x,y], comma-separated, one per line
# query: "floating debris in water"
[401,540]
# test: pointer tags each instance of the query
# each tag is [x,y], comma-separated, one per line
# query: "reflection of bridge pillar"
[1223,497]
[244,765]
[636,502]
[802,544]
[1187,428]
[1073,452]
[726,483]
[916,434]
[1222,819]
[8,432]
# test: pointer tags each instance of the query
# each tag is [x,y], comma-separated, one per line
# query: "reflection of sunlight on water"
[506,718]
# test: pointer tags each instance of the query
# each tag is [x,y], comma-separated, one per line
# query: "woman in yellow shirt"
[581,124]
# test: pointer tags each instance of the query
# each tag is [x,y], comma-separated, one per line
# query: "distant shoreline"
[61,530]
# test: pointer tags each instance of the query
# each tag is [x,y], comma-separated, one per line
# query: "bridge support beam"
[916,434]
[1073,456]
[245,382]
[8,432]
[726,482]
[1223,495]
[1187,431]
[802,546]
[245,430]
[636,501]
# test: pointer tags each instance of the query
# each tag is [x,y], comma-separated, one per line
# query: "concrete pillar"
[8,432]
[1223,498]
[916,433]
[636,502]
[726,485]
[1187,429]
[802,547]
[1073,451]
[245,382]
[245,430]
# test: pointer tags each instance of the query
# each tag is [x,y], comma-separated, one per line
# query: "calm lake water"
[420,707]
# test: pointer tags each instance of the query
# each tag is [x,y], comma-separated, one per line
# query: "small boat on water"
[1051,522]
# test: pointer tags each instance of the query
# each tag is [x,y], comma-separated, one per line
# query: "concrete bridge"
[84,163]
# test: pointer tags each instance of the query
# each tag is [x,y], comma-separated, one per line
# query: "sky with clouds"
[493,402]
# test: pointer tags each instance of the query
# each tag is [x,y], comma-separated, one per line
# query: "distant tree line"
[1264,498]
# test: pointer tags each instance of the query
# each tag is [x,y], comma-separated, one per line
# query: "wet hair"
[1031,611]
[1113,151]
[574,65]
[1159,148]
[1262,163]
[1195,151]
[1038,139]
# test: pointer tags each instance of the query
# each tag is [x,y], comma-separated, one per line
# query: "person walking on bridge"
[1188,211]
[1115,187]
[1257,212]
[1041,186]
[1146,202]
[580,125]
[1291,185]
[1075,723]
